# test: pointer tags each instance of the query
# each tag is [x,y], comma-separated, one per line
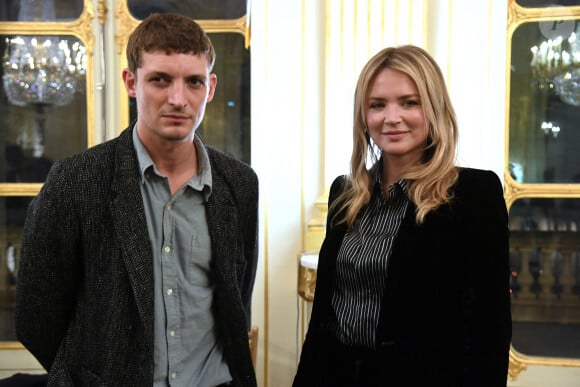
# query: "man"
[139,254]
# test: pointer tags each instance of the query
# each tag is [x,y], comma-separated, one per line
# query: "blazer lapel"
[223,225]
[131,228]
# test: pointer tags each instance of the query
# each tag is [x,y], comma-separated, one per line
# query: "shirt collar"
[201,182]
[376,172]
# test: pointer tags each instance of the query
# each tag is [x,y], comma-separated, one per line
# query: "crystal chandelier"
[41,71]
[555,65]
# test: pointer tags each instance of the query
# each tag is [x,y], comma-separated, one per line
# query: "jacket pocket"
[59,377]
[90,379]
[240,271]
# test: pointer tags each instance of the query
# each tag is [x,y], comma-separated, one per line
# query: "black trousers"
[347,366]
[25,380]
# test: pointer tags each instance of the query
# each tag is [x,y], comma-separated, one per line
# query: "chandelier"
[41,71]
[555,65]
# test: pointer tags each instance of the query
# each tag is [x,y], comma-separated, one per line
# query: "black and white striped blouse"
[361,268]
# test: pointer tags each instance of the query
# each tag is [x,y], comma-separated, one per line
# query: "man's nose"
[177,95]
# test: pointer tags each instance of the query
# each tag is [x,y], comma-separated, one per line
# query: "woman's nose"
[392,114]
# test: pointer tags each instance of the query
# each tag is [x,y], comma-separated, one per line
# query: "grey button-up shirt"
[187,352]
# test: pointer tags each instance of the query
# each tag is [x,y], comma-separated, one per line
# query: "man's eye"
[196,82]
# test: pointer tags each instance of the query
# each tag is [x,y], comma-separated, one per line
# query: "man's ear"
[212,86]
[129,79]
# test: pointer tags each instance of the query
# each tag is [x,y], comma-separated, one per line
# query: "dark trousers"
[25,380]
[356,367]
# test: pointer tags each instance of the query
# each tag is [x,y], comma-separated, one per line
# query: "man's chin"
[178,136]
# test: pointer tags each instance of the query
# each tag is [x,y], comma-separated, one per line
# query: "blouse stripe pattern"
[361,268]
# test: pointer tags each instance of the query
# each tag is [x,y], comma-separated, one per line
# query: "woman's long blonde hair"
[428,183]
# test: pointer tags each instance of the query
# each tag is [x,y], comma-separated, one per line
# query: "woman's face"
[395,117]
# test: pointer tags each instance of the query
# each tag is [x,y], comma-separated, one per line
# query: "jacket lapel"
[131,228]
[223,225]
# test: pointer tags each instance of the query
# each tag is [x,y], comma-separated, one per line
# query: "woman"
[413,275]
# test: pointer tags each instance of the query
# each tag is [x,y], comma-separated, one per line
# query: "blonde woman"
[413,276]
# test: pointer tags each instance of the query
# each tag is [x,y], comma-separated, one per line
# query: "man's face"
[171,92]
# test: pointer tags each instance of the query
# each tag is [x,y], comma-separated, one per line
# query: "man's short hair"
[170,33]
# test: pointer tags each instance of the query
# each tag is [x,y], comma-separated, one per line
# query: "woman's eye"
[376,105]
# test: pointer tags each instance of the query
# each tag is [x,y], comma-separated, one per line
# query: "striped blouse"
[361,267]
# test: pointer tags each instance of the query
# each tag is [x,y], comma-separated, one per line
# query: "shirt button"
[173,375]
[172,333]
[169,292]
[167,249]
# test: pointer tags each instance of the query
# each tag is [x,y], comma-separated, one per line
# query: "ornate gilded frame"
[514,190]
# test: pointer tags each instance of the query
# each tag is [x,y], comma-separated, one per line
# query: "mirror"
[41,10]
[195,9]
[545,276]
[544,134]
[546,3]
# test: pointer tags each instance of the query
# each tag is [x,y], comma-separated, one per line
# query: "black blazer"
[84,304]
[446,307]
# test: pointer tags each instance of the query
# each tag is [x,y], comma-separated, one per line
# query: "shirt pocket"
[198,269]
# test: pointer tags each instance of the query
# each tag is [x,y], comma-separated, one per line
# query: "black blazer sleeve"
[49,269]
[487,315]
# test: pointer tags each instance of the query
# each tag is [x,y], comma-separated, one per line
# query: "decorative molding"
[102,11]
[125,24]
[514,190]
[515,13]
[306,282]
[19,189]
[516,366]
[518,363]
[518,14]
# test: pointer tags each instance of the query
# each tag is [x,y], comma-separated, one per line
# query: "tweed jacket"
[445,316]
[84,303]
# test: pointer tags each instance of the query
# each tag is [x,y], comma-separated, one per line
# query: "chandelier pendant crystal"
[556,64]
